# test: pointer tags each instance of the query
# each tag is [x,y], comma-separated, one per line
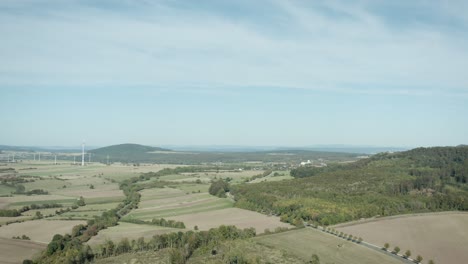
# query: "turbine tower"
[82,153]
[55,159]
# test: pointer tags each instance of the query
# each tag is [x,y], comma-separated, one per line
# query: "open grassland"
[166,202]
[4,220]
[15,251]
[22,200]
[235,176]
[65,183]
[305,242]
[442,237]
[198,209]
[65,169]
[231,216]
[40,231]
[6,190]
[130,231]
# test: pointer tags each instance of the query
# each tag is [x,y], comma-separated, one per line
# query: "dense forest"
[419,180]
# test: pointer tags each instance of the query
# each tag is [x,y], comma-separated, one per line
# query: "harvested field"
[97,192]
[305,242]
[4,220]
[442,237]
[39,230]
[130,231]
[231,216]
[66,170]
[21,200]
[15,250]
[166,202]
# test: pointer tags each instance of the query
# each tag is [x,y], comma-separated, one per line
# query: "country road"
[369,245]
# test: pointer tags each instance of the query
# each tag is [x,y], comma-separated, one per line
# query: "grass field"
[22,200]
[40,231]
[191,204]
[166,202]
[442,237]
[130,231]
[231,216]
[15,251]
[305,242]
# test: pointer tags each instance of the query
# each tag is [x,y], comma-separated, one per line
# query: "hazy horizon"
[243,73]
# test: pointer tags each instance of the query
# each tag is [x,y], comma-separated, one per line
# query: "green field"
[130,231]
[166,202]
[305,242]
[6,190]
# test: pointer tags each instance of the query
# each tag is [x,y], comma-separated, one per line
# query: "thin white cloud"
[161,45]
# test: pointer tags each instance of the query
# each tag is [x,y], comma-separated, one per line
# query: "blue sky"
[290,73]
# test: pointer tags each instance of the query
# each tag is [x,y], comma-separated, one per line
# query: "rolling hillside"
[134,153]
[125,153]
[419,180]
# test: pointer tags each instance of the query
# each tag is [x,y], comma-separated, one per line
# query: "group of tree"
[70,249]
[9,213]
[23,237]
[219,188]
[421,180]
[261,175]
[396,250]
[20,189]
[156,221]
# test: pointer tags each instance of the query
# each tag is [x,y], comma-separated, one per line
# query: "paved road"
[371,246]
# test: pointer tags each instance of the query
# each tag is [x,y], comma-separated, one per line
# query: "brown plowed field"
[442,237]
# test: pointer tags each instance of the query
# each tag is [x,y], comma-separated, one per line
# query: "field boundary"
[368,245]
[375,219]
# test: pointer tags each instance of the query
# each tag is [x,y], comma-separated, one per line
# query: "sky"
[250,73]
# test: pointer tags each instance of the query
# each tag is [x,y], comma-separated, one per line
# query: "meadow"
[15,250]
[305,242]
[441,237]
[128,201]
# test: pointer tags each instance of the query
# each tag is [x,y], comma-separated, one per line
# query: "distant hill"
[134,153]
[42,148]
[418,180]
[125,152]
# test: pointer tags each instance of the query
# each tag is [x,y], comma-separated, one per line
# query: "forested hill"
[125,152]
[133,153]
[418,180]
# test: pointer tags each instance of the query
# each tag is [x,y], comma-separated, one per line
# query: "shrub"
[407,253]
[386,246]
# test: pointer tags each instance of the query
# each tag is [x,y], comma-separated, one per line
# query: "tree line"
[385,184]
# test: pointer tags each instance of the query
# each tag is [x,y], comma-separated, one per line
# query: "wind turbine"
[82,153]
